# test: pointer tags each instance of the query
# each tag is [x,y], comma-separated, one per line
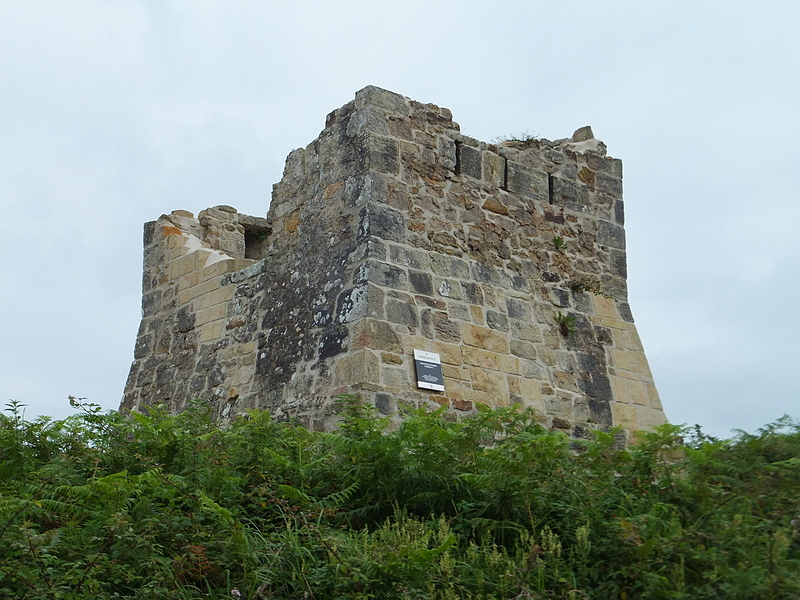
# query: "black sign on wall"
[429,370]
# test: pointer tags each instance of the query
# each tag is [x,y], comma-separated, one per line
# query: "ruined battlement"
[389,233]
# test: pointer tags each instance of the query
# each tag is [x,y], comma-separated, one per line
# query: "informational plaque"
[429,370]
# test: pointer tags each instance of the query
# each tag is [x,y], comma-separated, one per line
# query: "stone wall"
[391,232]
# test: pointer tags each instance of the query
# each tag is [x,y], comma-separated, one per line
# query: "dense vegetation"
[158,506]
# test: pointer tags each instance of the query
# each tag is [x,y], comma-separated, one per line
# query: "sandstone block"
[532,392]
[569,194]
[491,275]
[366,300]
[523,349]
[380,98]
[478,379]
[445,329]
[533,370]
[403,313]
[509,364]
[449,353]
[620,389]
[637,392]
[378,335]
[421,283]
[611,234]
[213,313]
[211,331]
[525,330]
[472,292]
[481,358]
[477,314]
[448,266]
[463,405]
[382,274]
[362,366]
[379,153]
[459,312]
[391,359]
[394,377]
[468,161]
[454,372]
[518,309]
[496,320]
[526,181]
[479,397]
[383,222]
[175,239]
[643,367]
[649,417]
[221,295]
[609,184]
[494,169]
[414,342]
[448,289]
[498,386]
[408,257]
[482,337]
[494,205]
[624,359]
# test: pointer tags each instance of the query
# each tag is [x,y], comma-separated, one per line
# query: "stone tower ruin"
[393,232]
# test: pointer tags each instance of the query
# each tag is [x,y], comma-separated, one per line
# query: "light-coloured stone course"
[394,232]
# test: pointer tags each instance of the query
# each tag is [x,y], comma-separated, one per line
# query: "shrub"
[172,506]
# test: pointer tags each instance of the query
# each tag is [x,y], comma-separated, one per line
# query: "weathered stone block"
[491,275]
[525,181]
[389,101]
[421,283]
[609,184]
[377,335]
[449,353]
[379,153]
[382,222]
[481,337]
[404,313]
[449,289]
[445,329]
[523,349]
[481,358]
[525,330]
[366,300]
[479,379]
[611,234]
[408,257]
[569,194]
[362,366]
[382,274]
[496,320]
[477,314]
[459,312]
[448,266]
[494,169]
[395,378]
[472,292]
[468,161]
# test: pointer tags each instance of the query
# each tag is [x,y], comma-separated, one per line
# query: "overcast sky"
[114,112]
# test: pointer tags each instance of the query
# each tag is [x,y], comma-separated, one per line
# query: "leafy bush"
[171,506]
